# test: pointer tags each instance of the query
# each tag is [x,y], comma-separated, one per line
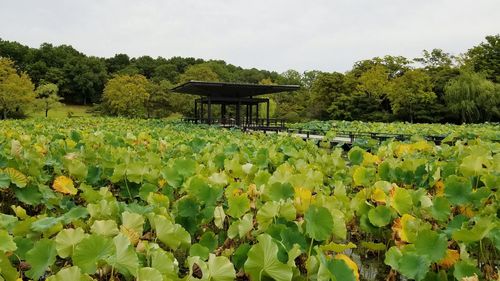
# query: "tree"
[326,90]
[126,95]
[436,58]
[47,97]
[473,97]
[411,93]
[199,72]
[161,101]
[16,89]
[84,79]
[486,58]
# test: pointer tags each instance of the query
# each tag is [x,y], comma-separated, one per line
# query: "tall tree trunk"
[46,112]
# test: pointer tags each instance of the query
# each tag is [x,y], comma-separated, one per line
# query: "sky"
[277,35]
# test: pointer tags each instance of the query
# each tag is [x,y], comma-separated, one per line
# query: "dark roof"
[225,89]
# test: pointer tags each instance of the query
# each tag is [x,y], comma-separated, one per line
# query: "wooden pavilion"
[232,97]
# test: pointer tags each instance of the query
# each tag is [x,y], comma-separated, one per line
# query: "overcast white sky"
[328,35]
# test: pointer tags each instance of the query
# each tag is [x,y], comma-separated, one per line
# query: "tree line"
[436,87]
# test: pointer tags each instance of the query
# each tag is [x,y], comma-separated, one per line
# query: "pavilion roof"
[233,90]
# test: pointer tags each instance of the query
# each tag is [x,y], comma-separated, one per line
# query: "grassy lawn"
[62,112]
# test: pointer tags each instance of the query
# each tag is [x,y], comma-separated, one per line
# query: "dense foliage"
[437,87]
[117,199]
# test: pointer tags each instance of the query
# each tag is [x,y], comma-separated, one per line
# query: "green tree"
[199,72]
[410,94]
[126,95]
[47,97]
[16,89]
[326,90]
[473,97]
[486,58]
[436,58]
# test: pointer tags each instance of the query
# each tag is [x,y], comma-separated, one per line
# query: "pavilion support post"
[223,113]
[257,113]
[238,114]
[267,112]
[250,115]
[209,110]
[201,111]
[196,111]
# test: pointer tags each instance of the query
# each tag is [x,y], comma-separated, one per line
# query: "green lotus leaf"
[91,252]
[263,262]
[474,164]
[149,274]
[69,273]
[431,244]
[319,223]
[441,209]
[41,257]
[104,227]
[75,213]
[165,263]
[188,207]
[373,246]
[291,236]
[262,158]
[246,224]
[7,221]
[355,155]
[77,169]
[199,188]
[402,201]
[30,195]
[66,241]
[392,257]
[173,235]
[480,229]
[186,167]
[209,240]
[124,259]
[219,216]
[338,269]
[220,269]
[133,221]
[278,191]
[44,224]
[7,271]
[363,176]
[172,176]
[267,213]
[23,246]
[146,189]
[198,250]
[464,269]
[7,244]
[457,190]
[240,255]
[4,180]
[380,216]
[238,205]
[335,247]
[16,177]
[413,266]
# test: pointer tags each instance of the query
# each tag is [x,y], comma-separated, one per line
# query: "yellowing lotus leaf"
[439,187]
[399,226]
[369,159]
[64,185]
[378,195]
[452,256]
[302,200]
[350,263]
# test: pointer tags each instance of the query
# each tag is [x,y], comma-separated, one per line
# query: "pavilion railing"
[244,122]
